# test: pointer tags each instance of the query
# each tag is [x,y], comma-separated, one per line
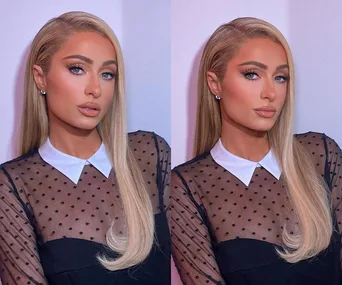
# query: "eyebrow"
[263,66]
[88,60]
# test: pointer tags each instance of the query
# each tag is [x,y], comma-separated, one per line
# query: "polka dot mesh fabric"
[210,206]
[39,204]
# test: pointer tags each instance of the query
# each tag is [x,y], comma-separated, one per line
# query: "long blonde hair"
[306,189]
[136,244]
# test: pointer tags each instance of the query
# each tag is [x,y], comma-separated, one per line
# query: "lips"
[91,106]
[266,109]
[89,109]
[266,112]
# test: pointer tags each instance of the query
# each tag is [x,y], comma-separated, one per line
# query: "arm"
[163,172]
[19,259]
[190,239]
[333,170]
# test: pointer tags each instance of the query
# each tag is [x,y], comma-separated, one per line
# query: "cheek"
[107,93]
[239,94]
[65,91]
[281,94]
[64,87]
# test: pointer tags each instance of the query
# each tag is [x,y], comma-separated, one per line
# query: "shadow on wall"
[146,47]
[316,43]
[192,102]
[18,102]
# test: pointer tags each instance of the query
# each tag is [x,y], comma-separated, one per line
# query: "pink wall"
[314,33]
[144,37]
[192,22]
[147,63]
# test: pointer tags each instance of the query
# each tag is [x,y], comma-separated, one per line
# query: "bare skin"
[256,77]
[82,72]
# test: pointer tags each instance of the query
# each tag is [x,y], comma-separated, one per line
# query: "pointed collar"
[242,168]
[71,166]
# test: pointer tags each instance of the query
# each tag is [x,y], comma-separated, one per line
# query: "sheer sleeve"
[19,259]
[333,170]
[164,172]
[190,239]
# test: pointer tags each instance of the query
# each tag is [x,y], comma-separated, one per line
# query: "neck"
[76,142]
[243,142]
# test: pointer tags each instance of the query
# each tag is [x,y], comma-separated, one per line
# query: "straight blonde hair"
[135,245]
[306,189]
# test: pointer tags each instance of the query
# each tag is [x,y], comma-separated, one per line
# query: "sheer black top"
[223,232]
[51,229]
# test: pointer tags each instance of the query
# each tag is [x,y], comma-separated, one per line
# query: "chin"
[86,126]
[262,127]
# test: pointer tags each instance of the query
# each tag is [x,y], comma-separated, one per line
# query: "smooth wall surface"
[315,35]
[145,40]
[144,37]
[146,46]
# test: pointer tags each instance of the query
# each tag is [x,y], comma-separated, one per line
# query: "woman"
[84,203]
[256,205]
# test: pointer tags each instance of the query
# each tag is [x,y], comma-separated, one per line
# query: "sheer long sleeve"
[19,259]
[334,172]
[52,229]
[190,239]
[164,172]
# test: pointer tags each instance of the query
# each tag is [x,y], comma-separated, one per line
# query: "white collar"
[242,168]
[71,166]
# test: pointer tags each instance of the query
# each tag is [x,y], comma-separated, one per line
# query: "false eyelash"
[75,65]
[249,70]
[286,78]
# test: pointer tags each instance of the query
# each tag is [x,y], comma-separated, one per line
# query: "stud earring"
[217,97]
[43,92]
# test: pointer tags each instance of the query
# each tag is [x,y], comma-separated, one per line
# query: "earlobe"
[39,77]
[213,83]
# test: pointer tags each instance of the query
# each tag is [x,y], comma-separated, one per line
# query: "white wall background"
[143,29]
[314,31]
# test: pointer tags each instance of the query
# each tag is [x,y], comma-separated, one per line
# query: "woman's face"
[80,82]
[254,87]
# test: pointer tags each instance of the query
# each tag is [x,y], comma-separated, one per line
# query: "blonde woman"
[84,202]
[256,205]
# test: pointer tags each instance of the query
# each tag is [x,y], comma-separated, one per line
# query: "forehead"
[262,50]
[89,44]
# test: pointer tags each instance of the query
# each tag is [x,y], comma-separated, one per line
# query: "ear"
[213,83]
[39,77]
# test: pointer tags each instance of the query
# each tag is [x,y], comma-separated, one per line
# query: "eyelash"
[248,72]
[72,68]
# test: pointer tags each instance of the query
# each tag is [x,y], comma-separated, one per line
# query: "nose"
[93,87]
[268,91]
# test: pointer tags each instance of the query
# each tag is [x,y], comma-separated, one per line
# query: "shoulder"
[147,139]
[316,140]
[21,161]
[10,169]
[195,166]
[16,171]
[321,147]
[309,136]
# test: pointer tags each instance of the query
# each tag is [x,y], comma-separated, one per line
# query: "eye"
[281,79]
[108,75]
[77,70]
[251,75]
